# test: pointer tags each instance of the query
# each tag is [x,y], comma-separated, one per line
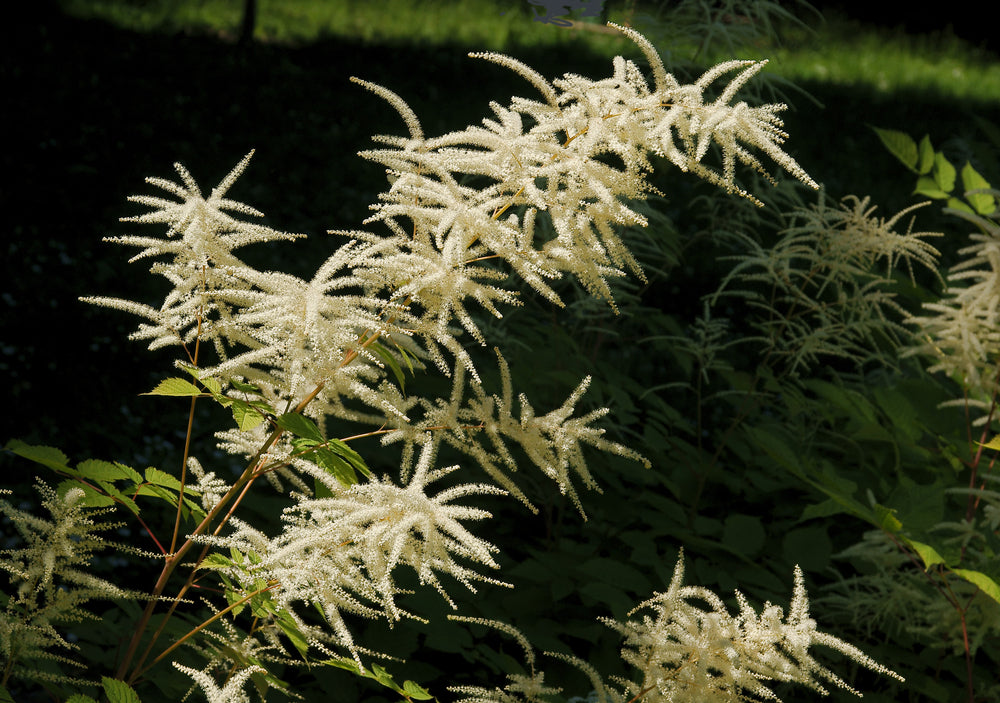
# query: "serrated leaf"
[334,465]
[245,387]
[262,605]
[175,387]
[414,690]
[956,204]
[294,635]
[75,698]
[246,416]
[929,188]
[119,691]
[992,444]
[886,519]
[900,145]
[355,459]
[97,470]
[162,478]
[926,161]
[320,490]
[944,173]
[984,582]
[158,492]
[300,426]
[927,553]
[215,561]
[213,385]
[344,663]
[385,678]
[233,597]
[389,360]
[47,456]
[120,497]
[92,498]
[983,203]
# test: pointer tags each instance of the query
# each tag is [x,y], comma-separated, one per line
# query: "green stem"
[202,626]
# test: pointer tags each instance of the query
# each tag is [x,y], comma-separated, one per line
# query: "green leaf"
[119,691]
[75,698]
[96,470]
[956,204]
[385,678]
[886,519]
[926,155]
[292,632]
[5,696]
[213,385]
[983,203]
[406,358]
[900,145]
[92,498]
[344,663]
[175,387]
[389,360]
[929,188]
[992,444]
[334,465]
[245,414]
[120,497]
[245,387]
[215,561]
[300,426]
[849,401]
[162,478]
[944,173]
[352,456]
[48,456]
[320,490]
[776,448]
[985,583]
[417,691]
[927,553]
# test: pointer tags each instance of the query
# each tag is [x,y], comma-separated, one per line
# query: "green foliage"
[767,386]
[937,177]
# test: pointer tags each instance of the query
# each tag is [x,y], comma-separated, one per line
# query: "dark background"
[91,110]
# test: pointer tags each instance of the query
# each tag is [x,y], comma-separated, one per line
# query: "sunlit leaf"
[175,387]
[299,426]
[900,145]
[119,691]
[985,583]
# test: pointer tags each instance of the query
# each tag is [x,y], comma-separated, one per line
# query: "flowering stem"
[205,624]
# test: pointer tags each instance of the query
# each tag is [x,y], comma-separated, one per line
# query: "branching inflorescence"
[460,213]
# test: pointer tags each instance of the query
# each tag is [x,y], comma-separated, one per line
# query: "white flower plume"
[686,651]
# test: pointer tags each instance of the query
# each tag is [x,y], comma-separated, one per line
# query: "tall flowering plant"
[303,364]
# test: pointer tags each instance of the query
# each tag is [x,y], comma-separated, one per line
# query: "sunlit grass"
[844,52]
[489,24]
[837,51]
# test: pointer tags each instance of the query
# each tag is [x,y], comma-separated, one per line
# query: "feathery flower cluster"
[822,293]
[461,213]
[391,299]
[339,553]
[962,331]
[687,652]
[52,583]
